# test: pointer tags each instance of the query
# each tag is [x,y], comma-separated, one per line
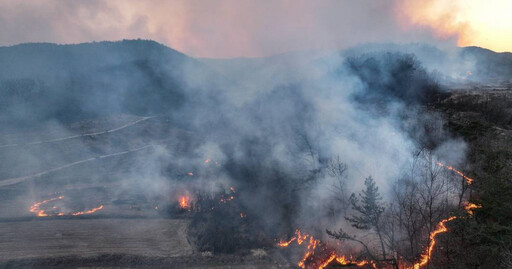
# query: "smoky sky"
[218,29]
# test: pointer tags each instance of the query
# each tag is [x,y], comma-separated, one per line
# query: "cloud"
[227,28]
[469,22]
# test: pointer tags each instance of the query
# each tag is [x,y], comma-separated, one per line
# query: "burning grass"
[47,208]
[319,254]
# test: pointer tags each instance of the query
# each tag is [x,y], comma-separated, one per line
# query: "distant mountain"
[489,64]
[452,66]
[68,82]
[42,81]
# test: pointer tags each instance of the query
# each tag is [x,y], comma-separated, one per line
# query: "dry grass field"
[91,237]
[111,243]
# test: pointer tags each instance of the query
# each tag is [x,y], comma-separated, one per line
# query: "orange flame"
[96,209]
[184,202]
[286,243]
[329,260]
[36,208]
[441,226]
[470,206]
[342,260]
[469,180]
[425,258]
[312,246]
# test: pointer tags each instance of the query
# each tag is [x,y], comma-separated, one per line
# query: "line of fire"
[320,255]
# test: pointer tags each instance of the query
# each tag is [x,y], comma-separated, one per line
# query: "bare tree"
[405,197]
[425,201]
[337,170]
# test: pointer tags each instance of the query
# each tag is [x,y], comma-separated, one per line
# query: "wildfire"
[470,206]
[469,180]
[317,248]
[286,243]
[313,244]
[96,209]
[184,202]
[441,226]
[425,258]
[36,208]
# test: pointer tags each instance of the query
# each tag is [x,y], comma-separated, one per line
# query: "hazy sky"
[234,28]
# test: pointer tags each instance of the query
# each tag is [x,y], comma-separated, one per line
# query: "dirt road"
[77,136]
[12,181]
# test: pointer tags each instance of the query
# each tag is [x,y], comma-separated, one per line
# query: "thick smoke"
[272,128]
[278,143]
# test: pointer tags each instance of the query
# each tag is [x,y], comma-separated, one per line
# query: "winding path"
[12,181]
[78,136]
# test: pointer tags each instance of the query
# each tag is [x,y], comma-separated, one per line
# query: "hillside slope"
[72,82]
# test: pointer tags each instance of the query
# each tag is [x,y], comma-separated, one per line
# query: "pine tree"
[369,209]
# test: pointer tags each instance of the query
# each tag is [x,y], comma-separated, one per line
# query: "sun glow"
[470,22]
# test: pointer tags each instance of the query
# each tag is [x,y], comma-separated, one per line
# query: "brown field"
[111,243]
[90,237]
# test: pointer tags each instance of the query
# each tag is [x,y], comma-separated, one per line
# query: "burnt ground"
[483,118]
